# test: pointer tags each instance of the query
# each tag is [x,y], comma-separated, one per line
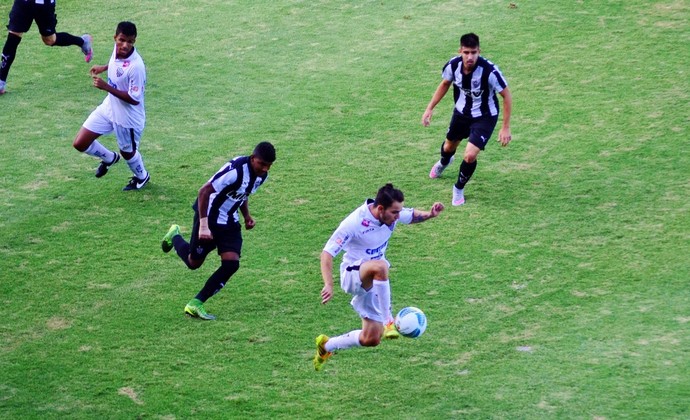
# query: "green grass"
[560,290]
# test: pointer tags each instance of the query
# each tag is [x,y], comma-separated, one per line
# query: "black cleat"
[103,167]
[136,183]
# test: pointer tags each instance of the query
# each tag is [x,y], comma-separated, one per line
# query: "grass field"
[560,290]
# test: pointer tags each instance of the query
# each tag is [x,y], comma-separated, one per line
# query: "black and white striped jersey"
[475,93]
[233,183]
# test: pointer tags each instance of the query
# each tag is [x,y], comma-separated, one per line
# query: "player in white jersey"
[22,15]
[217,222]
[475,82]
[364,237]
[122,111]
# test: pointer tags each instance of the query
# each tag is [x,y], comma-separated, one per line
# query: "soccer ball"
[410,322]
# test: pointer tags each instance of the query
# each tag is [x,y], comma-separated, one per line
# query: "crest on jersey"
[125,64]
[119,72]
[475,83]
[365,223]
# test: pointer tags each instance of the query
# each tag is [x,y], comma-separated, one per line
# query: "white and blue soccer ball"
[410,322]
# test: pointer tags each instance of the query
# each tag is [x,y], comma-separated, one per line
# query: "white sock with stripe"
[101,152]
[136,165]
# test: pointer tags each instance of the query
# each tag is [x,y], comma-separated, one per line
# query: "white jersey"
[363,237]
[128,74]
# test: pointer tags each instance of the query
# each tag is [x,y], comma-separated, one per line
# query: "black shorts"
[24,12]
[226,238]
[479,130]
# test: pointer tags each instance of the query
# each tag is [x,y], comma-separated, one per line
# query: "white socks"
[382,289]
[99,151]
[344,341]
[136,165]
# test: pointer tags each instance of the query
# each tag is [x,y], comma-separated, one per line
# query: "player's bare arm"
[120,94]
[203,198]
[421,216]
[249,222]
[327,275]
[441,91]
[96,70]
[504,135]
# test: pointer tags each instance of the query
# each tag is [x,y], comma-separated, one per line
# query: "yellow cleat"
[321,354]
[390,332]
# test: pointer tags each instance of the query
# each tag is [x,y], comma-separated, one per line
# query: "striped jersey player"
[364,237]
[217,222]
[475,81]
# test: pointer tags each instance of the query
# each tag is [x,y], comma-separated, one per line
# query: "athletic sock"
[446,156]
[136,165]
[182,249]
[9,51]
[63,39]
[382,288]
[345,341]
[218,279]
[97,150]
[466,171]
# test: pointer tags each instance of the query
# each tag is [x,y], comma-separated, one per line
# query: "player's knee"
[49,40]
[79,145]
[380,270]
[229,267]
[470,157]
[193,264]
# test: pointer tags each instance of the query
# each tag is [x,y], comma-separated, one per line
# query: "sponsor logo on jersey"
[475,93]
[377,250]
[237,196]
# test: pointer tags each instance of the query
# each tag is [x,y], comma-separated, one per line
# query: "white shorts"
[364,302]
[99,122]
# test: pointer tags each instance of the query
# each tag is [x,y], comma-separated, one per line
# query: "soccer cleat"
[167,243]
[103,167]
[321,354]
[136,183]
[2,86]
[195,309]
[390,332]
[87,47]
[458,196]
[438,168]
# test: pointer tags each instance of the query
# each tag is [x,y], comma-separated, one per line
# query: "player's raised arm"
[421,216]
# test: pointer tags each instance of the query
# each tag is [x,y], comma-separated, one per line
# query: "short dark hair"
[470,40]
[265,151]
[387,195]
[126,28]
